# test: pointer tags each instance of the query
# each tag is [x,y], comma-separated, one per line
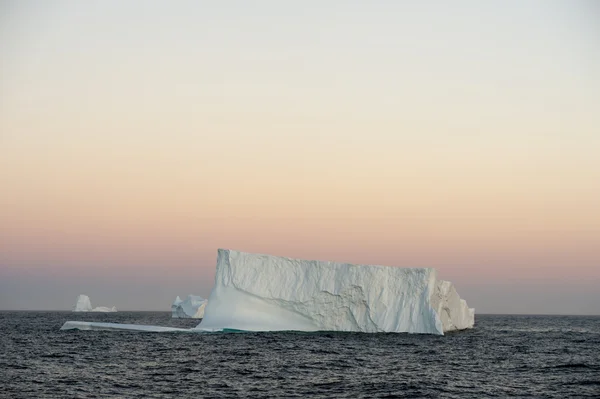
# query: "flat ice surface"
[85,325]
[191,308]
[256,292]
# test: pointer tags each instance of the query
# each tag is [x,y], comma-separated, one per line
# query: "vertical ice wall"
[269,293]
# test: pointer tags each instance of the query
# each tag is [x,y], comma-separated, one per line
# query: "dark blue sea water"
[504,356]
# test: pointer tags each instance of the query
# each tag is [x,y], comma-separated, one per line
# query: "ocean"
[503,356]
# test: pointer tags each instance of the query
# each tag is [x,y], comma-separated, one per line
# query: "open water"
[503,356]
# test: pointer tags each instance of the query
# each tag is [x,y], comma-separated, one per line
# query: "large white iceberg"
[255,292]
[269,293]
[191,308]
[84,304]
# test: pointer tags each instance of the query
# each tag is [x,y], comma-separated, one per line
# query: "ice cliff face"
[84,304]
[192,308]
[268,293]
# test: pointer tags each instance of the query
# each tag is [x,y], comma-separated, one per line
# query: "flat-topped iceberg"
[255,292]
[269,293]
[84,304]
[191,308]
[104,309]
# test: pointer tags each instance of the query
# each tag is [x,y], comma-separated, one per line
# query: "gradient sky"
[137,137]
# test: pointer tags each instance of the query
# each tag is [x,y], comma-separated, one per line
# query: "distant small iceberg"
[84,304]
[190,308]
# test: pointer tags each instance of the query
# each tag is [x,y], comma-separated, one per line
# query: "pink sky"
[132,146]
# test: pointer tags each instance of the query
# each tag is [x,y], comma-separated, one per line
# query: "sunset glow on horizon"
[136,140]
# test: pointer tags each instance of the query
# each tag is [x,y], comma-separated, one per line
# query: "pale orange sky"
[134,142]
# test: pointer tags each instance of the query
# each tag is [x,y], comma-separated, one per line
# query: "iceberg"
[104,309]
[84,325]
[255,292]
[192,308]
[84,304]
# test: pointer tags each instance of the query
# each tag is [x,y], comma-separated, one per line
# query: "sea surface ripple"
[503,356]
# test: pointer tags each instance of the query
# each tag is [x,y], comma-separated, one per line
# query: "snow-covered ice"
[269,293]
[84,304]
[191,308]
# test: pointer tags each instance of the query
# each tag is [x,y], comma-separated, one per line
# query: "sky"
[138,137]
